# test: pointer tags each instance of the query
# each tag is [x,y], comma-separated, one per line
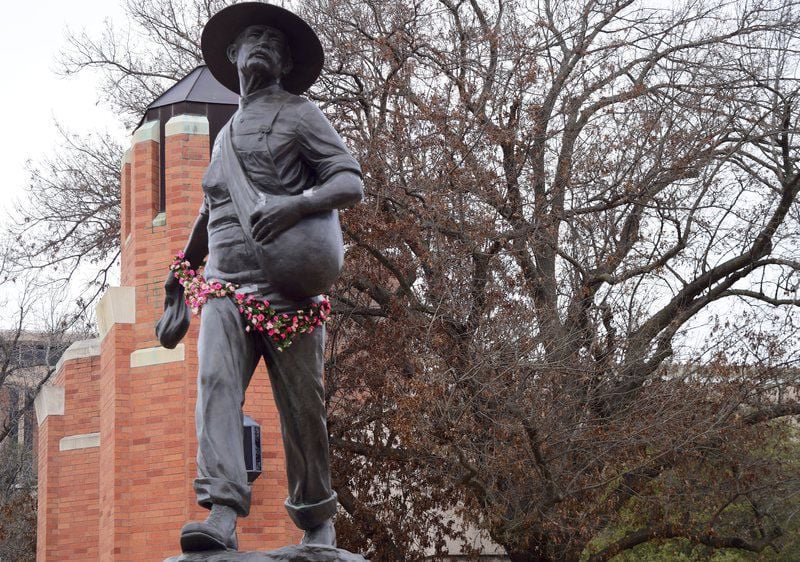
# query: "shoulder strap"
[244,195]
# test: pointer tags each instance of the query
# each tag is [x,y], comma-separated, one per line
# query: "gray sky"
[32,95]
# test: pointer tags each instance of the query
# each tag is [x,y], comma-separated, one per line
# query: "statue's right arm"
[174,323]
[195,252]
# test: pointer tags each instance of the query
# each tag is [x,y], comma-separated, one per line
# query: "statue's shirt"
[285,145]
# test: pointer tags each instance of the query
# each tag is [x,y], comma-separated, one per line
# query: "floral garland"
[259,315]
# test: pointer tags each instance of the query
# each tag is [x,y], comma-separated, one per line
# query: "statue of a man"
[268,225]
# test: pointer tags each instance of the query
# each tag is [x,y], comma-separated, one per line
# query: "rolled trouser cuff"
[218,491]
[309,515]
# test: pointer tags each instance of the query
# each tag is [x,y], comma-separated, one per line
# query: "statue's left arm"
[338,173]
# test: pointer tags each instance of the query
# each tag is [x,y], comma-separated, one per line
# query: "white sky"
[32,96]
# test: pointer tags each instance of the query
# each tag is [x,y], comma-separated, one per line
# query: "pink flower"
[258,313]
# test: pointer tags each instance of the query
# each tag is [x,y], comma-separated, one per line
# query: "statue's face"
[262,51]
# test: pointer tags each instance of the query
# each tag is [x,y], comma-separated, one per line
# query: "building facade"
[116,448]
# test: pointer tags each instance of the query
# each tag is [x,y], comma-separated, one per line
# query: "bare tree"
[557,193]
[17,503]
[561,196]
[68,225]
[34,331]
[159,45]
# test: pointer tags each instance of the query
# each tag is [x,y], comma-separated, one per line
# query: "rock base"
[294,553]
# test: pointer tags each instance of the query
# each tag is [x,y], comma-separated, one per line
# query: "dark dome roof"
[198,86]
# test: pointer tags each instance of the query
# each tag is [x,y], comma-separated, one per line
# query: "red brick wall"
[115,435]
[47,509]
[68,480]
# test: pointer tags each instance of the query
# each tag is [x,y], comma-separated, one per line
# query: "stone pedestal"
[294,553]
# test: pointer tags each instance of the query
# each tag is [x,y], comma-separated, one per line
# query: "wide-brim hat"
[226,25]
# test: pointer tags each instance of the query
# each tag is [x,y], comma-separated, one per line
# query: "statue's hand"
[172,289]
[174,322]
[275,214]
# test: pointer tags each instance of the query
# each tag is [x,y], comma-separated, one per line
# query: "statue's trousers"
[228,355]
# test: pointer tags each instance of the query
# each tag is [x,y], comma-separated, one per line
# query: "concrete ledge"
[157,355]
[186,125]
[117,306]
[84,441]
[160,219]
[49,402]
[79,350]
[147,132]
[296,552]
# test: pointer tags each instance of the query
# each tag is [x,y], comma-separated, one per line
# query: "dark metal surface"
[197,86]
[277,169]
[252,448]
[225,26]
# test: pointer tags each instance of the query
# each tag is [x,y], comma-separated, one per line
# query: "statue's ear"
[231,52]
[286,64]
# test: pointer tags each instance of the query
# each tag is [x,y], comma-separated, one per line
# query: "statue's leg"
[297,384]
[227,358]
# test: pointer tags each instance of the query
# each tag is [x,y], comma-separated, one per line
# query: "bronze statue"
[269,228]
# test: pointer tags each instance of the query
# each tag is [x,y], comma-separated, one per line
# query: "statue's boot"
[321,534]
[217,532]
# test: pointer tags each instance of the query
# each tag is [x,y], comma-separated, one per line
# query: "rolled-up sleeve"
[322,147]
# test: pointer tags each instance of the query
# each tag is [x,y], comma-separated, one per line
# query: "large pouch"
[304,260]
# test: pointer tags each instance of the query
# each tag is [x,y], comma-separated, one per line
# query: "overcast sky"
[32,96]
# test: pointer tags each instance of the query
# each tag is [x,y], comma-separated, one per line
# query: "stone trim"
[117,306]
[160,219]
[186,125]
[49,402]
[83,441]
[147,132]
[157,355]
[79,350]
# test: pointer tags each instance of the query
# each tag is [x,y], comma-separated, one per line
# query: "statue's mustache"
[263,53]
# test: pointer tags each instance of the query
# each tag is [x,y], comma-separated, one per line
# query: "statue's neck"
[253,83]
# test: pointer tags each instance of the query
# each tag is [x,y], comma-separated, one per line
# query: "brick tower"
[116,427]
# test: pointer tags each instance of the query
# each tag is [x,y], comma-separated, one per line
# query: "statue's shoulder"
[298,103]
[308,114]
